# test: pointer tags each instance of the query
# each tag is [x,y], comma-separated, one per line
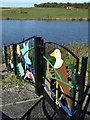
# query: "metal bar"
[26,40]
[38,64]
[85,108]
[29,111]
[53,114]
[59,111]
[14,58]
[77,65]
[64,48]
[5,51]
[45,111]
[82,84]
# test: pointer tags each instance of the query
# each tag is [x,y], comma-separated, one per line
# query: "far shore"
[58,14]
[49,19]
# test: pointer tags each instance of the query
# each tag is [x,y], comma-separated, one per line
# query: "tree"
[64,5]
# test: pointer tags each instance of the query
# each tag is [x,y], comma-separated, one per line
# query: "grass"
[82,51]
[12,81]
[44,14]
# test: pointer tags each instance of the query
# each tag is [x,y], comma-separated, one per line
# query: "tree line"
[64,5]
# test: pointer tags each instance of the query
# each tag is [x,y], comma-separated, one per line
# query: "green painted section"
[59,77]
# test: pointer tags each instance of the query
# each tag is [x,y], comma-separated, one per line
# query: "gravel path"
[19,99]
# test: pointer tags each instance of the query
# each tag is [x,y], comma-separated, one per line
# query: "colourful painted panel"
[60,79]
[26,60]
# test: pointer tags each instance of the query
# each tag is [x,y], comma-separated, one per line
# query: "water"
[56,31]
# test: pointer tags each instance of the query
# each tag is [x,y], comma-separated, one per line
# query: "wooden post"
[38,64]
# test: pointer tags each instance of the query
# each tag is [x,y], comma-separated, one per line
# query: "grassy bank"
[82,51]
[44,14]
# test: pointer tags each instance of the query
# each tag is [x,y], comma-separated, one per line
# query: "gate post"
[14,58]
[39,45]
[5,51]
[82,84]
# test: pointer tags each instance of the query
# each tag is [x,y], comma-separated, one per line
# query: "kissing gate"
[54,71]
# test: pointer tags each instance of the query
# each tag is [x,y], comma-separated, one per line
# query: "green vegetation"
[64,5]
[44,14]
[82,51]
[12,81]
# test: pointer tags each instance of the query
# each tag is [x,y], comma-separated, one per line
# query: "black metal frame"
[77,66]
[5,50]
[40,73]
[14,59]
[39,64]
[78,108]
[39,49]
[81,96]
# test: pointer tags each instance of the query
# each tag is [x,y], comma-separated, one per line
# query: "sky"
[30,3]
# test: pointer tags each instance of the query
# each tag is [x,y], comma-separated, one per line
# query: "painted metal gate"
[53,70]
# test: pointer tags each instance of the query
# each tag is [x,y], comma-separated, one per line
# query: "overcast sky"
[30,3]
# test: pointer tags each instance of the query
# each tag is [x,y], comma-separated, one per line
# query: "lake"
[56,31]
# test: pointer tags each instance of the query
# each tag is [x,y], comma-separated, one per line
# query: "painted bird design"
[61,68]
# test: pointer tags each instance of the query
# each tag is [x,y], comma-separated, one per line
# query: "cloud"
[42,1]
[15,0]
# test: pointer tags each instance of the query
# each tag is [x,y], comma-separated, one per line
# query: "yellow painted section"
[57,103]
[52,54]
[62,92]
[57,92]
[18,50]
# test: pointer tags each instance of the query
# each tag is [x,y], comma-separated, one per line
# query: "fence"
[53,70]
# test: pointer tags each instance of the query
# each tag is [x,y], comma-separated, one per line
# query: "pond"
[14,31]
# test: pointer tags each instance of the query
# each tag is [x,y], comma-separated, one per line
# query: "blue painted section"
[53,95]
[33,71]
